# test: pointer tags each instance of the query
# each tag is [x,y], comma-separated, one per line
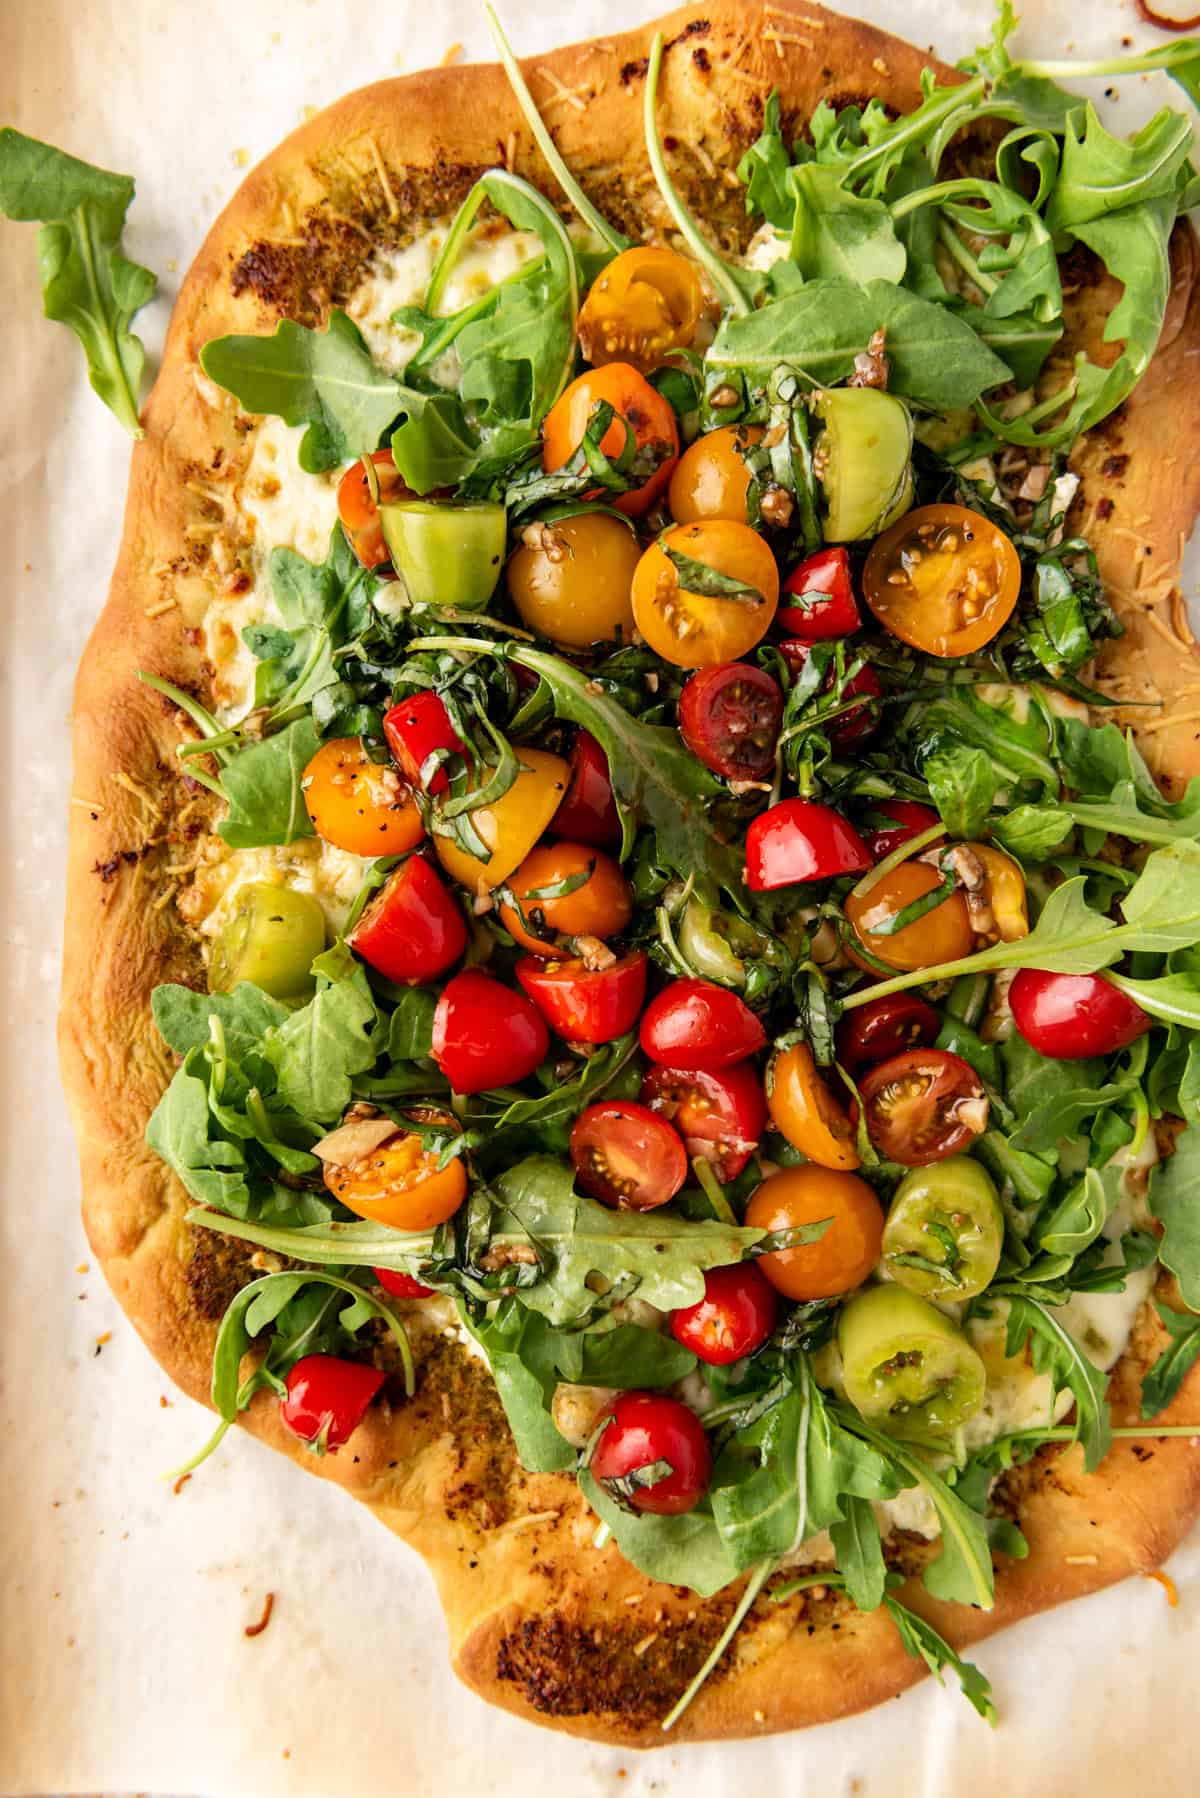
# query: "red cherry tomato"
[923,1105]
[327,1399]
[588,813]
[414,728]
[694,1024]
[884,1028]
[401,1286]
[645,1427]
[626,1156]
[891,822]
[821,601]
[798,840]
[720,1115]
[729,717]
[486,1035]
[582,1004]
[733,1319]
[360,514]
[412,929]
[1070,1016]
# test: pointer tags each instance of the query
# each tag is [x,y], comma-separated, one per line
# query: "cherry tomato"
[401,1286]
[414,728]
[399,1182]
[327,1398]
[798,840]
[729,717]
[891,822]
[637,405]
[943,934]
[571,580]
[694,1024]
[838,1260]
[357,804]
[1070,1016]
[819,600]
[692,628]
[859,721]
[805,1112]
[943,579]
[1004,892]
[626,1156]
[923,1105]
[359,512]
[510,825]
[486,1035]
[582,1004]
[644,1428]
[412,929]
[884,1028]
[601,905]
[733,1319]
[720,1115]
[588,813]
[643,305]
[711,479]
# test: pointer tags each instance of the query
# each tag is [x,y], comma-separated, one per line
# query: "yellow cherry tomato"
[357,804]
[640,409]
[943,934]
[600,905]
[571,580]
[805,1112]
[837,1261]
[1005,892]
[511,825]
[400,1184]
[943,579]
[692,628]
[643,305]
[711,479]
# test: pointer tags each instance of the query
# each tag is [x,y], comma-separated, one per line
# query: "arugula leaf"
[835,234]
[1032,832]
[765,169]
[434,445]
[1173,1187]
[410,1029]
[1050,1098]
[87,283]
[181,1016]
[212,1170]
[1100,174]
[628,1357]
[859,1552]
[320,1046]
[262,786]
[321,605]
[680,1551]
[1163,1381]
[520,1347]
[1173,997]
[1054,1351]
[923,1641]
[963,786]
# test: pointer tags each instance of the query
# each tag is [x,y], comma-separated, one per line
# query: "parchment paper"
[125,1666]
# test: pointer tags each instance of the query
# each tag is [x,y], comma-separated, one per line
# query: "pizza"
[631,980]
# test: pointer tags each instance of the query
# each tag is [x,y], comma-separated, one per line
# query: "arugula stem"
[713,1191]
[457,322]
[903,851]
[463,219]
[210,1447]
[1179,51]
[199,715]
[754,1586]
[949,238]
[920,126]
[782,1593]
[985,962]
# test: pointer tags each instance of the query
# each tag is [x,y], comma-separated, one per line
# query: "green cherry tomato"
[906,1367]
[704,943]
[447,555]
[944,1230]
[862,454]
[270,937]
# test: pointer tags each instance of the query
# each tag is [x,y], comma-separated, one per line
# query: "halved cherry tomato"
[943,579]
[838,1260]
[733,1319]
[1071,1016]
[720,1114]
[693,628]
[891,822]
[582,1004]
[571,580]
[694,1024]
[859,721]
[712,479]
[885,1028]
[510,826]
[359,512]
[357,804]
[798,840]
[412,929]
[923,1105]
[588,813]
[415,727]
[399,1182]
[401,1286]
[626,1156]
[729,717]
[601,905]
[943,934]
[643,305]
[818,599]
[1004,894]
[327,1398]
[645,1428]
[805,1112]
[637,405]
[485,1034]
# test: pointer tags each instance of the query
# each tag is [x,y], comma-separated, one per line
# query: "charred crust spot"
[1113,467]
[1104,508]
[570,1667]
[124,858]
[457,1396]
[636,70]
[217,1269]
[702,59]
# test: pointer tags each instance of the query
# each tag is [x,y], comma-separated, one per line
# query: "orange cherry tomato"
[357,804]
[359,510]
[511,825]
[601,904]
[804,1110]
[643,305]
[711,479]
[943,579]
[840,1259]
[570,580]
[694,629]
[943,934]
[400,1184]
[1005,892]
[642,408]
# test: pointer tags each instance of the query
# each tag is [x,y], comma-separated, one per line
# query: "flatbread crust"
[540,1621]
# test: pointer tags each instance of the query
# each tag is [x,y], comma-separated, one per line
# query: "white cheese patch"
[307,866]
[289,508]
[401,278]
[765,249]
